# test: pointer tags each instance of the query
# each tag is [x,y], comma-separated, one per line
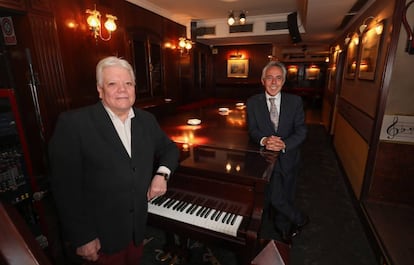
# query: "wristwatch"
[165,175]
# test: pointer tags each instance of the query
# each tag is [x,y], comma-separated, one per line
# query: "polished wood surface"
[219,162]
[218,129]
[17,244]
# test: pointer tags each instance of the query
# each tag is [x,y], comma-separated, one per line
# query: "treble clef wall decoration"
[410,40]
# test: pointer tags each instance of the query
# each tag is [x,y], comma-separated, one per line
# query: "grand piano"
[217,193]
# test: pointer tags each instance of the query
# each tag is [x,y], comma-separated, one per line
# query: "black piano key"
[207,212]
[200,211]
[214,214]
[170,203]
[194,209]
[174,205]
[164,203]
[190,208]
[177,205]
[218,216]
[159,200]
[229,218]
[225,218]
[233,219]
[183,206]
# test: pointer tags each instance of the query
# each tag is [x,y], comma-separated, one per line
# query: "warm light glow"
[355,39]
[93,19]
[71,24]
[242,18]
[110,23]
[228,167]
[231,19]
[379,28]
[184,44]
[364,25]
[94,22]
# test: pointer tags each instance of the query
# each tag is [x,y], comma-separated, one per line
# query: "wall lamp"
[231,19]
[184,44]
[352,37]
[378,27]
[94,22]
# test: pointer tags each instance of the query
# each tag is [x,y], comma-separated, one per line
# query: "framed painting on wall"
[371,41]
[351,57]
[238,68]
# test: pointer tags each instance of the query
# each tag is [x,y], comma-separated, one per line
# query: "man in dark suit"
[279,126]
[103,158]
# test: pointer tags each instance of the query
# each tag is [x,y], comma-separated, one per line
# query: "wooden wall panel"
[361,122]
[352,150]
[52,84]
[393,179]
[240,87]
[13,4]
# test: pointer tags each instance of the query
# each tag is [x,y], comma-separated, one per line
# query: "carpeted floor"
[335,234]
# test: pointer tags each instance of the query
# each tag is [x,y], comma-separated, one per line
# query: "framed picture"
[351,57]
[292,73]
[312,73]
[371,41]
[238,68]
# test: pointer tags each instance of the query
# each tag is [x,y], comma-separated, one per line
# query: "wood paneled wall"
[64,57]
[394,173]
[240,87]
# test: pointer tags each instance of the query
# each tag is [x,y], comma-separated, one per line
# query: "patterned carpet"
[335,235]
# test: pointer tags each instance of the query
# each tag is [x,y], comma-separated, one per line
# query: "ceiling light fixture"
[242,18]
[231,19]
[94,22]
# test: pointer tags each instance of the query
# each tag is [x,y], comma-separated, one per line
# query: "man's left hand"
[158,187]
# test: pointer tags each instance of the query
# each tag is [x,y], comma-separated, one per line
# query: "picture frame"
[312,73]
[238,68]
[371,41]
[352,57]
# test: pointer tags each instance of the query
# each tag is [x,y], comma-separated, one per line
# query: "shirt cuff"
[261,141]
[164,169]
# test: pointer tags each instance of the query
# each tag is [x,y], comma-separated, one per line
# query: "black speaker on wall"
[293,27]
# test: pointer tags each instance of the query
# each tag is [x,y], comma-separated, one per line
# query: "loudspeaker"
[293,27]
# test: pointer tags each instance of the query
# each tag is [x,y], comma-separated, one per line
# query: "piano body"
[217,193]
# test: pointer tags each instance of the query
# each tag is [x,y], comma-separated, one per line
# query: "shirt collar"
[113,116]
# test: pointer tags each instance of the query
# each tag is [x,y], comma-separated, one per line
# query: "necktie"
[274,114]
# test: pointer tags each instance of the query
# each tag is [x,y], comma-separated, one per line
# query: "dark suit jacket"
[100,191]
[291,128]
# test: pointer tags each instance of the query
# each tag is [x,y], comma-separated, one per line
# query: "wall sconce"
[364,25]
[184,44]
[347,39]
[354,38]
[231,19]
[94,22]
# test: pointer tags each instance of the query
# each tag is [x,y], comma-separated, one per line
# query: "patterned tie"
[274,114]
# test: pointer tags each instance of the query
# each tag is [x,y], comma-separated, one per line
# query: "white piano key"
[209,218]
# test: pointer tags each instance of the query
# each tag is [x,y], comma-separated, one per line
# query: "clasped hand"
[274,143]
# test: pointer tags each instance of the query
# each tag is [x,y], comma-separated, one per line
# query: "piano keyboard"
[196,214]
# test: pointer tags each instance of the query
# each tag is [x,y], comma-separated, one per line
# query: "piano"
[216,195]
